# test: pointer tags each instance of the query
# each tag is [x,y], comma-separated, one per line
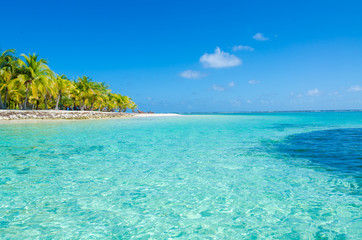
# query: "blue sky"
[195,56]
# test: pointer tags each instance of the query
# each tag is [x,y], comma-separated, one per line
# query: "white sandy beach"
[142,115]
[20,116]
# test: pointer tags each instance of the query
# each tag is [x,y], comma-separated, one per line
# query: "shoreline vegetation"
[28,83]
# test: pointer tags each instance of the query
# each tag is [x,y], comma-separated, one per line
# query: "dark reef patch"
[335,150]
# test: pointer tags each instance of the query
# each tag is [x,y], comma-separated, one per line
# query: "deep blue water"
[338,150]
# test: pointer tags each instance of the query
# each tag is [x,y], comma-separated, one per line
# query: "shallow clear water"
[238,176]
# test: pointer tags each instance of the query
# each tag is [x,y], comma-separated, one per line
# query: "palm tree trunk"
[6,97]
[45,102]
[92,105]
[82,108]
[26,96]
[1,102]
[58,99]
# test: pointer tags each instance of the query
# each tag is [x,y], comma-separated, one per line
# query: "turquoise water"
[240,176]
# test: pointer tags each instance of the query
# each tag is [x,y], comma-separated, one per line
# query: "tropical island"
[28,83]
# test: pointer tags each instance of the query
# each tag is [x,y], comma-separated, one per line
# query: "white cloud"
[149,98]
[298,95]
[248,101]
[253,82]
[191,74]
[260,37]
[241,47]
[219,59]
[218,88]
[235,102]
[356,88]
[266,101]
[313,92]
[333,93]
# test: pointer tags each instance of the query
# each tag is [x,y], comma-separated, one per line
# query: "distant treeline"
[27,82]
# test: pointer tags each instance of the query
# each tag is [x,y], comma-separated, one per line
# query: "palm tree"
[6,56]
[29,80]
[46,87]
[34,73]
[132,106]
[84,85]
[103,98]
[42,89]
[63,86]
[16,95]
[126,102]
[74,92]
[119,101]
[94,94]
[110,102]
[7,73]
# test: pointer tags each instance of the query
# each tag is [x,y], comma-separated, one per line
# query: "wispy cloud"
[295,95]
[219,59]
[260,37]
[262,101]
[231,84]
[313,92]
[333,93]
[235,102]
[356,88]
[253,82]
[192,74]
[242,48]
[218,88]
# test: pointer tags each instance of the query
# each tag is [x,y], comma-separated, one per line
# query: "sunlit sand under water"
[246,176]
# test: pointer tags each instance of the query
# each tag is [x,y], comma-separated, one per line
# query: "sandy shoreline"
[13,116]
[142,115]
